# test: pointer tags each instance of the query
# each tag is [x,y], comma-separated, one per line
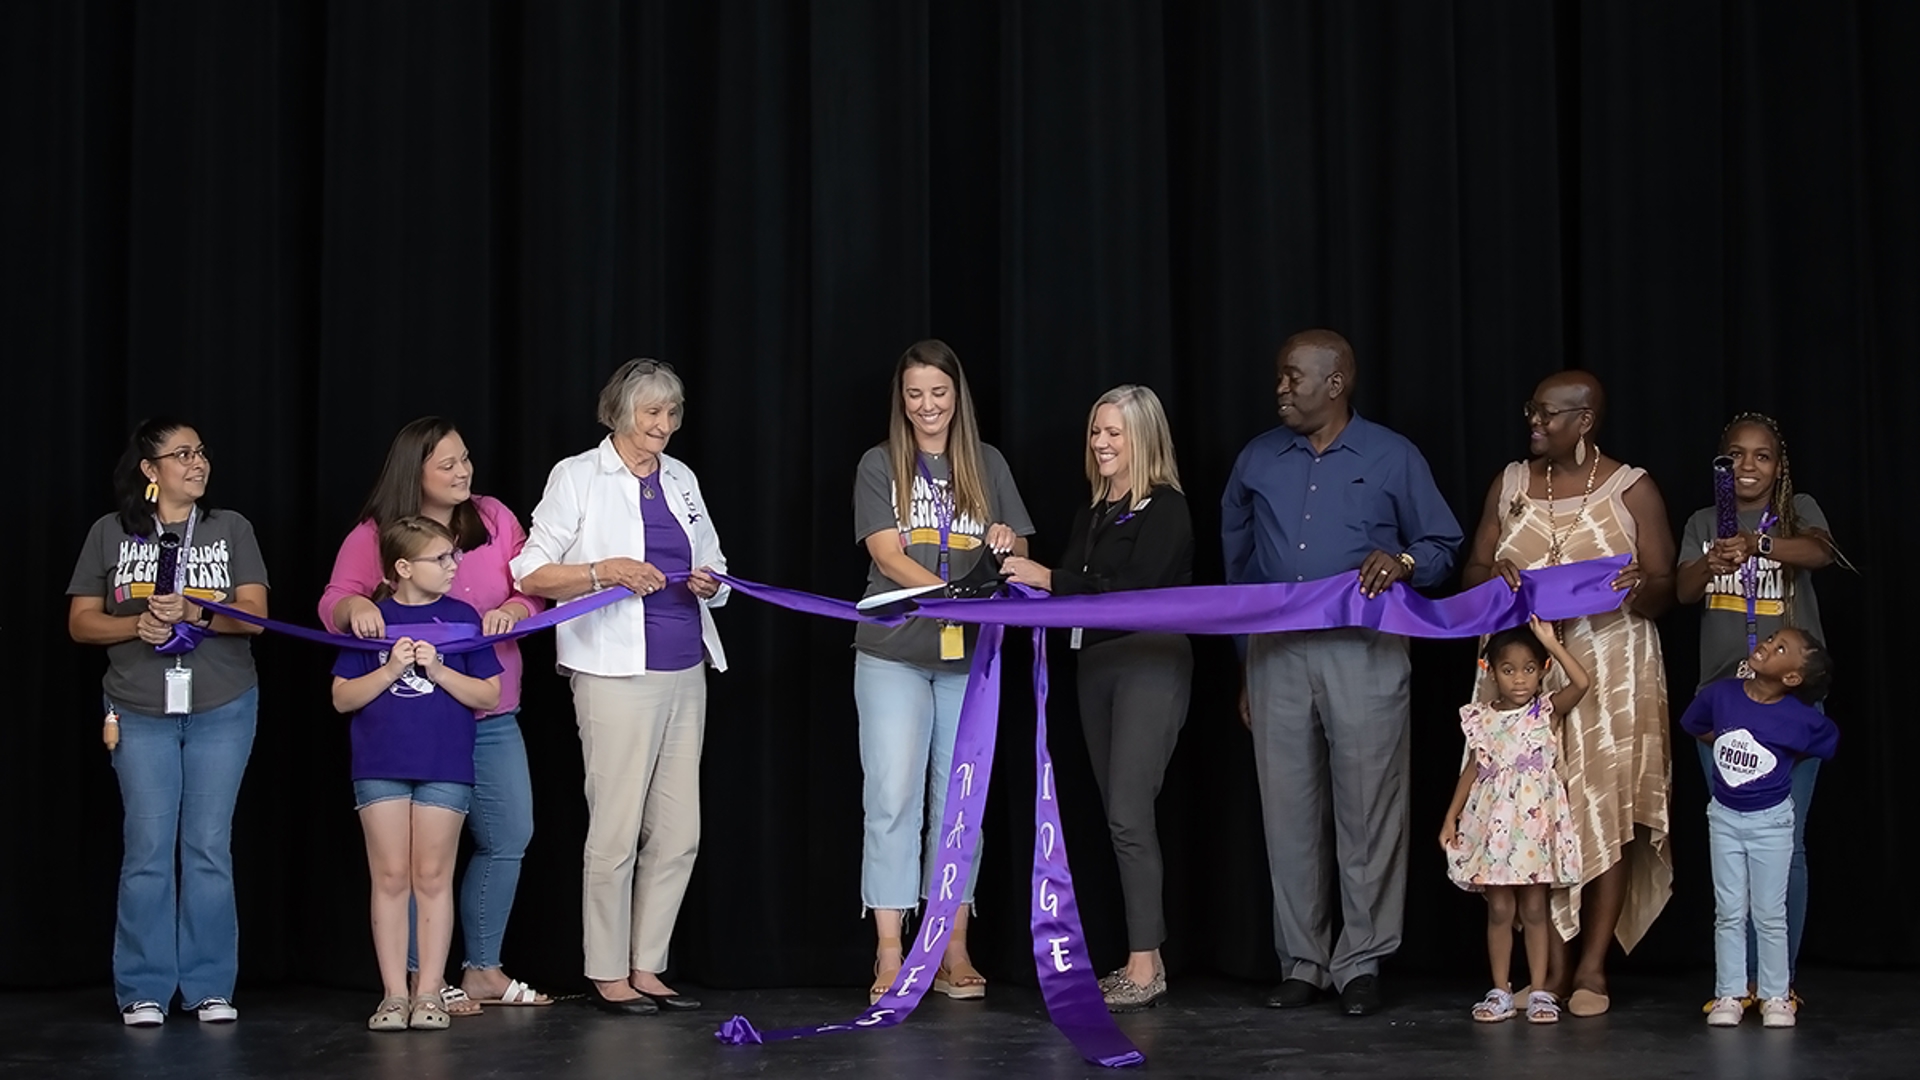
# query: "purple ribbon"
[447,637]
[1568,591]
[1060,955]
[958,839]
[1067,980]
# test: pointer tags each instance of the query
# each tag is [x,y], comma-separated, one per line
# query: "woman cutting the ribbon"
[1136,533]
[429,473]
[928,505]
[1568,503]
[180,726]
[626,513]
[1751,558]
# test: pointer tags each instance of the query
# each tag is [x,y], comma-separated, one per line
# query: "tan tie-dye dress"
[1614,753]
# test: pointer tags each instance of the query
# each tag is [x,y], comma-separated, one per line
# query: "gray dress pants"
[1330,743]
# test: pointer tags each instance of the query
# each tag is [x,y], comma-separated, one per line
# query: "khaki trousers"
[640,738]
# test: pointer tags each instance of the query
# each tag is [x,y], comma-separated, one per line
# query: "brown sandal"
[883,980]
[961,984]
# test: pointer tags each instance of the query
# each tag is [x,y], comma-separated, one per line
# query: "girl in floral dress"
[1508,832]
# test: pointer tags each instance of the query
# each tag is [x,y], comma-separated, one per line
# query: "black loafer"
[1361,996]
[672,1002]
[1293,994]
[640,1006]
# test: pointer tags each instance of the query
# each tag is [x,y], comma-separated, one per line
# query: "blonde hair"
[636,383]
[1148,436]
[966,463]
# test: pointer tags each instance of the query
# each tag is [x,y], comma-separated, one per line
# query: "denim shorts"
[435,793]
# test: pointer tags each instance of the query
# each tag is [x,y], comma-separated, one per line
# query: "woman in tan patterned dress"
[1568,503]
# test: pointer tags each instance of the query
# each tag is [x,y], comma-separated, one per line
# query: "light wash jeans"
[179,778]
[909,716]
[1805,772]
[500,817]
[1752,854]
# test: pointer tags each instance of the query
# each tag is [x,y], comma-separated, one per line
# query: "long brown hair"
[967,475]
[396,494]
[403,539]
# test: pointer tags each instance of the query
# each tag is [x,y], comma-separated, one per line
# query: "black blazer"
[1112,548]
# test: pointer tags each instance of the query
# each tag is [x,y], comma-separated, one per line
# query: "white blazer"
[591,511]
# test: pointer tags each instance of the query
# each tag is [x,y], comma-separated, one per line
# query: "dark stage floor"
[1855,1025]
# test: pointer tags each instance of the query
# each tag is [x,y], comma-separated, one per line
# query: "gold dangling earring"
[1580,451]
[153,491]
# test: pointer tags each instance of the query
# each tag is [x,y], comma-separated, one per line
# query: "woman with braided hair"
[1751,584]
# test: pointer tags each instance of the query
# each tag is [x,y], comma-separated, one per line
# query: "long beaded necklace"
[1554,537]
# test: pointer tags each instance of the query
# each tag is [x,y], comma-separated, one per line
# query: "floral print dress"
[1516,828]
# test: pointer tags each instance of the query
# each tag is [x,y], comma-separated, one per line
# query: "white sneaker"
[143,1014]
[1776,1013]
[1726,1012]
[217,1010]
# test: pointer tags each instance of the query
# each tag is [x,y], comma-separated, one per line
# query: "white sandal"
[1495,1007]
[519,993]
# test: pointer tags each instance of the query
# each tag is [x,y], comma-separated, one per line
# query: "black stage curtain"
[302,224]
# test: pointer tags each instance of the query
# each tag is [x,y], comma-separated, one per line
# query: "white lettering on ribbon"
[1046,838]
[1060,961]
[912,976]
[959,829]
[931,933]
[877,1016]
[948,875]
[1046,783]
[1741,758]
[965,772]
[1049,900]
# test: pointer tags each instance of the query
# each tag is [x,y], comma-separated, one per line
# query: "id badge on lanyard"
[179,690]
[953,637]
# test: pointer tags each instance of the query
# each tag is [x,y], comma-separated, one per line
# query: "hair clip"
[1484,666]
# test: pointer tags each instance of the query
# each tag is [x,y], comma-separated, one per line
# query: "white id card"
[1073,639]
[179,691]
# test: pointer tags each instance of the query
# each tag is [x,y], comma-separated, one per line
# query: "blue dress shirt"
[1289,514]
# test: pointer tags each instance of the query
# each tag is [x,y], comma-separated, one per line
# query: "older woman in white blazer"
[626,513]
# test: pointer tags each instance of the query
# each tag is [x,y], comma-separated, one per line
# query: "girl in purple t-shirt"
[414,710]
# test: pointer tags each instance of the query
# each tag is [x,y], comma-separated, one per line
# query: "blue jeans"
[500,817]
[909,716]
[1805,772]
[179,778]
[1752,855]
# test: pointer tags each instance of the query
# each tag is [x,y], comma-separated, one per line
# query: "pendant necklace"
[1555,539]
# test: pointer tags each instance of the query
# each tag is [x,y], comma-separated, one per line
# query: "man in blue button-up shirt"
[1328,494]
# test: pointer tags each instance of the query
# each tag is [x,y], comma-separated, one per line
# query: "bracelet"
[593,575]
[1406,560]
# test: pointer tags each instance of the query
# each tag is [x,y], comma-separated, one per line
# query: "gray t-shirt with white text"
[1783,595]
[122,569]
[917,641]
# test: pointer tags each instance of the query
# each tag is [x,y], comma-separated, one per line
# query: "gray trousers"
[1330,744]
[1133,702]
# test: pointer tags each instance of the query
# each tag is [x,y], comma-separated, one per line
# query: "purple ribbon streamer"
[447,637]
[1060,955]
[1568,591]
[958,839]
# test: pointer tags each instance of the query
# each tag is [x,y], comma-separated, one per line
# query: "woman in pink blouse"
[428,472]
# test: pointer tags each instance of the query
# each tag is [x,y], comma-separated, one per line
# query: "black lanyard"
[1103,515]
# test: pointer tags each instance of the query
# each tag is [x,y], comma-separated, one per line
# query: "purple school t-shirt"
[673,613]
[416,730]
[1756,745]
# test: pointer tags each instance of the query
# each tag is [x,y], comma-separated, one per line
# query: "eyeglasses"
[644,367]
[186,455]
[447,559]
[1532,409]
